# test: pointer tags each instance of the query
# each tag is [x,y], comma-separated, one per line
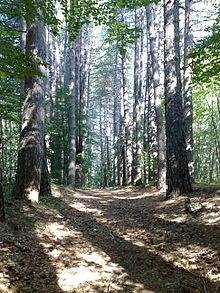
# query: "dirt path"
[111,240]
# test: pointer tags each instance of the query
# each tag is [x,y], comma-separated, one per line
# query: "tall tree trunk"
[122,174]
[128,140]
[31,149]
[81,76]
[55,85]
[154,61]
[187,86]
[125,133]
[137,107]
[178,178]
[116,119]
[2,207]
[72,120]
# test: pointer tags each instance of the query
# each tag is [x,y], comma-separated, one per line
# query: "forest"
[109,146]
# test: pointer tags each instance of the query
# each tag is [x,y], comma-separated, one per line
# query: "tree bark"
[178,178]
[116,120]
[2,206]
[160,134]
[31,155]
[72,121]
[187,86]
[137,106]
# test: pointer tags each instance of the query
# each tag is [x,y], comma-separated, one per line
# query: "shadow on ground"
[25,267]
[110,240]
[142,263]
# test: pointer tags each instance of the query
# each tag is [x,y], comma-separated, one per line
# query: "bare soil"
[111,240]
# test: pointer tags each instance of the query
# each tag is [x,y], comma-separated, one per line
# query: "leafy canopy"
[206,56]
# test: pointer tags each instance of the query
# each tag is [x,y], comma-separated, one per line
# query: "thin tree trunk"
[137,107]
[72,121]
[153,48]
[126,136]
[116,119]
[187,86]
[45,188]
[2,207]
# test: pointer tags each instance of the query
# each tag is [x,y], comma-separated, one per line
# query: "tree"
[155,111]
[80,136]
[187,85]
[72,119]
[2,208]
[178,179]
[31,167]
[206,133]
[138,100]
[116,121]
[205,54]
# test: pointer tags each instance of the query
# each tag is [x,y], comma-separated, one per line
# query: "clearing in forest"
[111,240]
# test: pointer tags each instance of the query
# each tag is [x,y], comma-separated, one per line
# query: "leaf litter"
[111,240]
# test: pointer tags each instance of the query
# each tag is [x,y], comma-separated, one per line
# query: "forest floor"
[111,240]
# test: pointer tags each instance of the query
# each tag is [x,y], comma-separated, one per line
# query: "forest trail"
[111,240]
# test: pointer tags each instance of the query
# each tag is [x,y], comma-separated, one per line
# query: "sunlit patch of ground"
[110,240]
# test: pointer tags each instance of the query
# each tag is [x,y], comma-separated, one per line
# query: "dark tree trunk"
[31,156]
[137,105]
[45,188]
[116,120]
[178,178]
[2,207]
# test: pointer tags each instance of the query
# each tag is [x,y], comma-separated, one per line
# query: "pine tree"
[178,178]
[31,167]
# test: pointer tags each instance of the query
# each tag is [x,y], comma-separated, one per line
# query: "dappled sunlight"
[94,266]
[85,208]
[213,216]
[191,257]
[56,190]
[115,240]
[5,283]
[194,258]
[174,217]
[71,278]
[139,196]
[59,231]
[81,265]
[209,214]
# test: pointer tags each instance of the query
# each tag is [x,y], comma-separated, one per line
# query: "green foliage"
[57,127]
[85,12]
[121,32]
[128,4]
[10,101]
[122,35]
[206,133]
[206,56]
